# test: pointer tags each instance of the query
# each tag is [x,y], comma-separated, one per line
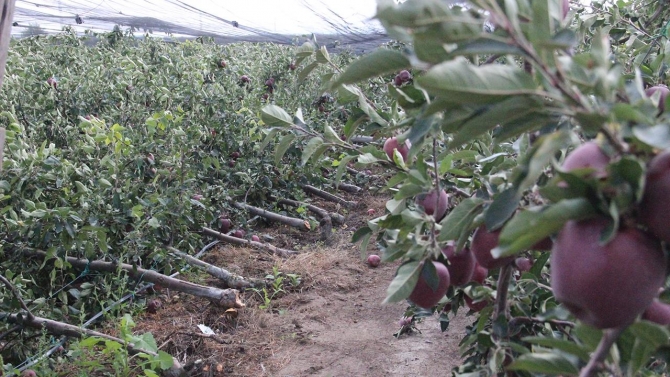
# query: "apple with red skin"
[265,96]
[461,265]
[322,108]
[482,243]
[28,373]
[606,286]
[231,163]
[244,79]
[479,274]
[270,82]
[198,197]
[397,80]
[235,155]
[153,306]
[475,306]
[225,224]
[523,264]
[52,82]
[587,155]
[655,206]
[239,233]
[371,211]
[404,75]
[657,312]
[292,66]
[222,64]
[423,295]
[664,94]
[374,260]
[255,238]
[429,201]
[392,144]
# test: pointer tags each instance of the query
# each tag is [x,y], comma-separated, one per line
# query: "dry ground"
[331,324]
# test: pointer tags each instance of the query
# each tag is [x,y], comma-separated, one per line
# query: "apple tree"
[541,129]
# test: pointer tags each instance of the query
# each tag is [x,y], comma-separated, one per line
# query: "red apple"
[371,211]
[423,295]
[475,306]
[657,312]
[255,238]
[482,243]
[198,197]
[235,155]
[432,206]
[606,286]
[587,155]
[523,264]
[479,274]
[374,260]
[244,79]
[664,94]
[397,80]
[225,224]
[28,373]
[292,66]
[655,205]
[52,82]
[270,82]
[461,265]
[239,233]
[153,306]
[222,63]
[231,163]
[404,75]
[392,144]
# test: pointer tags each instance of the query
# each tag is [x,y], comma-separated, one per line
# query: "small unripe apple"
[374,260]
[392,144]
[255,238]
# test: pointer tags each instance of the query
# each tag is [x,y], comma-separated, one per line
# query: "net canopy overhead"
[349,22]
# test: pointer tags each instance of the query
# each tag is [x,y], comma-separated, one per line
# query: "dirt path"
[351,334]
[331,324]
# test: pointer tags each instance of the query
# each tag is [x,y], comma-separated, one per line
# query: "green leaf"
[547,363]
[273,116]
[531,226]
[268,138]
[282,147]
[502,207]
[651,333]
[460,219]
[560,344]
[358,235]
[657,136]
[467,84]
[307,70]
[312,145]
[322,55]
[404,282]
[375,64]
[339,172]
[485,46]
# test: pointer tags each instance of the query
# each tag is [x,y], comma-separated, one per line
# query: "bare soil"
[332,323]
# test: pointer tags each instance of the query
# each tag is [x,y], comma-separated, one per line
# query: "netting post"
[5,36]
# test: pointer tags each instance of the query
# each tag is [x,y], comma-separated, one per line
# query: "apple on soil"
[423,295]
[392,143]
[429,201]
[225,224]
[606,286]
[374,260]
[239,233]
[255,238]
[461,265]
[482,243]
